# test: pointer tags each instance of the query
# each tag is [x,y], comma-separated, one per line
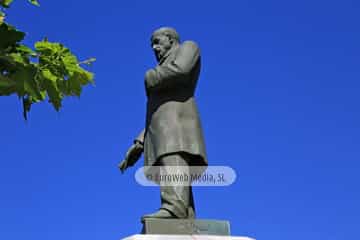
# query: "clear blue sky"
[279,101]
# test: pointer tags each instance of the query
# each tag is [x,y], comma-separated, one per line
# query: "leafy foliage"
[50,71]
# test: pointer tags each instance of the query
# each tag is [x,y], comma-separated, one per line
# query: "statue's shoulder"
[190,47]
[189,44]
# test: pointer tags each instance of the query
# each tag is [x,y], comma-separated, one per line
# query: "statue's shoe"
[162,213]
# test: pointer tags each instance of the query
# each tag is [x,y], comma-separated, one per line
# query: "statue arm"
[174,73]
[134,152]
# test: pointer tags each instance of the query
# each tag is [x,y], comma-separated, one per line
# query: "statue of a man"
[173,134]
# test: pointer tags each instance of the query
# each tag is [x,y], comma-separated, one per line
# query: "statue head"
[162,40]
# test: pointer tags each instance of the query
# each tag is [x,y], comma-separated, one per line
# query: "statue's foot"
[162,213]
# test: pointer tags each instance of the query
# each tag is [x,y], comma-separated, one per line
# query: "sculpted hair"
[167,31]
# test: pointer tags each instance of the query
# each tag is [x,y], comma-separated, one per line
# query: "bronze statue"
[173,134]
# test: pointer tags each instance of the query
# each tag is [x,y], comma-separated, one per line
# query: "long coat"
[172,119]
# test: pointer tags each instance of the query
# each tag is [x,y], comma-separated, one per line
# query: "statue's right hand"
[123,166]
[132,156]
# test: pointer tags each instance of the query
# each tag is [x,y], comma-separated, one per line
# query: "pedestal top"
[186,226]
[183,237]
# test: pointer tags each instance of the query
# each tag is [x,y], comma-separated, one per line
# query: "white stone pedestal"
[183,237]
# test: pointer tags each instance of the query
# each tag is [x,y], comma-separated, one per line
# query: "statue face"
[161,44]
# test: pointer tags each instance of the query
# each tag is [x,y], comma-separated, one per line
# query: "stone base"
[183,237]
[186,226]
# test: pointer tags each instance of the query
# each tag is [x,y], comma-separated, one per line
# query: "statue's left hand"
[132,156]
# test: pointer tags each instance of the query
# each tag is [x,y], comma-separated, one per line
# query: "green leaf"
[49,84]
[33,91]
[19,58]
[74,84]
[5,82]
[86,77]
[65,66]
[34,2]
[70,63]
[6,3]
[24,79]
[49,47]
[9,36]
[70,60]
[44,48]
[7,64]
[54,74]
[7,86]
[25,50]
